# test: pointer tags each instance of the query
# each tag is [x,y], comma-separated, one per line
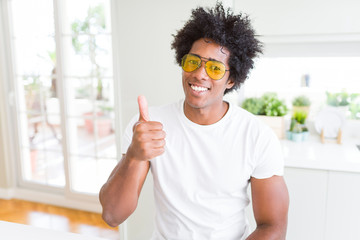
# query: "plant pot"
[275,123]
[297,137]
[289,135]
[305,135]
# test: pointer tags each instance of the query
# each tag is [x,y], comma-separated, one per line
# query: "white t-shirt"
[200,182]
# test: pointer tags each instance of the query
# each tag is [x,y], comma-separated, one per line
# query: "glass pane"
[81,137]
[81,95]
[88,56]
[33,18]
[91,180]
[77,64]
[106,146]
[44,132]
[44,167]
[103,89]
[94,12]
[35,56]
[37,92]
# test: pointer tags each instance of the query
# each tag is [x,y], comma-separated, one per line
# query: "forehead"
[209,49]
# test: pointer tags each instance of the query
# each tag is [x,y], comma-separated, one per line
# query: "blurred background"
[70,73]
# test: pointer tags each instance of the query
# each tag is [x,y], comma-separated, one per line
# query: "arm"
[270,205]
[119,195]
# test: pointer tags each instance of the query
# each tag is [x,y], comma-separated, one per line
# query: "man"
[213,149]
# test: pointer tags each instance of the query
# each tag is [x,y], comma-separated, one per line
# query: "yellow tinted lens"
[215,69]
[190,62]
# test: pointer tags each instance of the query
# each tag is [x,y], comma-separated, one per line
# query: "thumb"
[143,109]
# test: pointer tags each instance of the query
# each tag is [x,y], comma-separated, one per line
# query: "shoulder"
[240,115]
[250,125]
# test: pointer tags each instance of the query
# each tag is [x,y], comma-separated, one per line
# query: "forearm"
[268,232]
[119,195]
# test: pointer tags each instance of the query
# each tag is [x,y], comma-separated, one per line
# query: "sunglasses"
[214,69]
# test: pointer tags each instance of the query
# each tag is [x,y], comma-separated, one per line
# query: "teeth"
[198,89]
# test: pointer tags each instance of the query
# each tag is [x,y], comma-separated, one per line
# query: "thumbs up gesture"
[148,139]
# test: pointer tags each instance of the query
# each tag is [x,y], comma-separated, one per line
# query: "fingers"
[148,139]
[143,109]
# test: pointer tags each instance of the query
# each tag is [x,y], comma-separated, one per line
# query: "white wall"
[5,146]
[305,17]
[305,28]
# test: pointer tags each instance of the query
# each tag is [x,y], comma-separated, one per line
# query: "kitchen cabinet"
[343,206]
[324,205]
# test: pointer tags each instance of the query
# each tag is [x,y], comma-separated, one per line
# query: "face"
[201,92]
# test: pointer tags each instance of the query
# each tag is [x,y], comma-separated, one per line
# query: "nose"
[200,73]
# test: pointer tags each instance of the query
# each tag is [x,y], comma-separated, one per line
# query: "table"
[15,231]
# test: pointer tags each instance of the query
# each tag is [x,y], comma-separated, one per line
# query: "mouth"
[198,88]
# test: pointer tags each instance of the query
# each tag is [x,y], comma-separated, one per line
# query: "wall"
[305,28]
[5,176]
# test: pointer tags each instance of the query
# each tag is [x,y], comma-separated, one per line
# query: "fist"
[148,139]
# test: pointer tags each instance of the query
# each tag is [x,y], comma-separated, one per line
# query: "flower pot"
[275,123]
[305,135]
[289,135]
[297,137]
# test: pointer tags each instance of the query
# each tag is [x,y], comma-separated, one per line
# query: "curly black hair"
[233,32]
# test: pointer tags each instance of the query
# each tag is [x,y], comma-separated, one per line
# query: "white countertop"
[14,231]
[326,156]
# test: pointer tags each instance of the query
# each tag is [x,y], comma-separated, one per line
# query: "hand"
[148,139]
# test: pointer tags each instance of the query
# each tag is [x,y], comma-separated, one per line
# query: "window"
[62,53]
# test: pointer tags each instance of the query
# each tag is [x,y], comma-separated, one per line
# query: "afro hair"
[233,32]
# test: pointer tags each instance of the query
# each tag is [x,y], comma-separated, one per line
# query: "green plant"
[300,116]
[298,128]
[273,106]
[301,101]
[84,41]
[337,99]
[268,105]
[254,105]
[354,106]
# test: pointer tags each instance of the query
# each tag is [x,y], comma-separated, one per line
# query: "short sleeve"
[268,157]
[127,136]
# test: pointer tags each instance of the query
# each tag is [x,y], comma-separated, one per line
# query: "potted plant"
[354,106]
[339,101]
[301,103]
[270,109]
[298,131]
[254,105]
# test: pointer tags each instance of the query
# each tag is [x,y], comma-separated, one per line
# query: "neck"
[206,116]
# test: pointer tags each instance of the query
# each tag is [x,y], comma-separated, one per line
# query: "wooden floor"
[58,218]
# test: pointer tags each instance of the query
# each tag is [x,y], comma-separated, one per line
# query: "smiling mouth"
[198,88]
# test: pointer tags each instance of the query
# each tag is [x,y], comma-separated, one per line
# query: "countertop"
[313,154]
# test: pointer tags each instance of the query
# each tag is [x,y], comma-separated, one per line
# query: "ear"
[230,83]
